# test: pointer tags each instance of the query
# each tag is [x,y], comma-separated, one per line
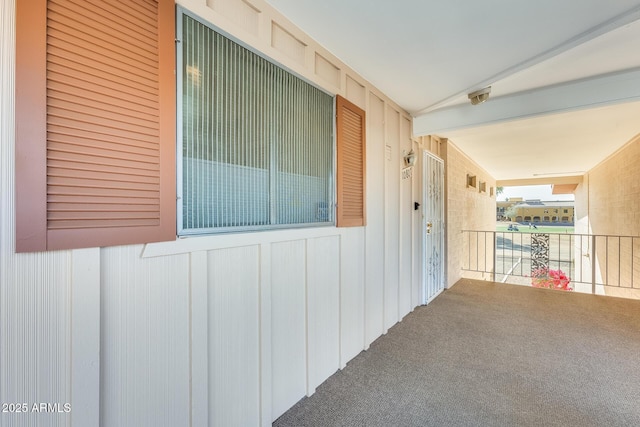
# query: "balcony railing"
[593,262]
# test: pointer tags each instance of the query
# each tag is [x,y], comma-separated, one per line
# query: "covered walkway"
[490,354]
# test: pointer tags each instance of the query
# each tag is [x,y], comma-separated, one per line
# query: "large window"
[256,141]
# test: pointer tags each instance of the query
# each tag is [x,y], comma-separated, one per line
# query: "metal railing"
[591,261]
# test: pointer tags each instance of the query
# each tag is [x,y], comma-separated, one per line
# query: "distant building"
[535,211]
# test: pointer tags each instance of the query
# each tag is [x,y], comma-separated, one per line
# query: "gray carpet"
[488,354]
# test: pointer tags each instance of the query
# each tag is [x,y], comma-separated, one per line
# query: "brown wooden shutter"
[104,128]
[350,128]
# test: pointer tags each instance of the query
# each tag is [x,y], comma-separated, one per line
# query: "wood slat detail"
[96,140]
[350,126]
[103,121]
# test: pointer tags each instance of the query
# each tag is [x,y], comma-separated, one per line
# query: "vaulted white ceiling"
[565,75]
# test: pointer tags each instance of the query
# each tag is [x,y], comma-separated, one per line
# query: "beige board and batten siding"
[166,316]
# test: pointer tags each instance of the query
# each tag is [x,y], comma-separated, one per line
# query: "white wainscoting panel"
[323,309]
[351,294]
[199,285]
[234,336]
[392,221]
[417,255]
[85,337]
[288,325]
[145,339]
[374,232]
[35,289]
[224,330]
[405,213]
[35,341]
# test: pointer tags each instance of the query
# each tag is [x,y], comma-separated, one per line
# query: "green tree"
[511,212]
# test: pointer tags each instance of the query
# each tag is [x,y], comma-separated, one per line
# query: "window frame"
[195,232]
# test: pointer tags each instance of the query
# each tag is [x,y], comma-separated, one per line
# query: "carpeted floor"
[489,354]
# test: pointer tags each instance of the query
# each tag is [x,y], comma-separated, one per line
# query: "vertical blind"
[256,140]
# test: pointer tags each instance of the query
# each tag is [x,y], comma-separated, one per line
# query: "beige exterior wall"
[608,203]
[581,207]
[466,208]
[265,316]
[613,197]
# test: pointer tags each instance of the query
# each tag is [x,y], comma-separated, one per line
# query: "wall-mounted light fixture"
[479,96]
[410,158]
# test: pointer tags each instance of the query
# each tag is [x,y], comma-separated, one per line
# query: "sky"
[542,192]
